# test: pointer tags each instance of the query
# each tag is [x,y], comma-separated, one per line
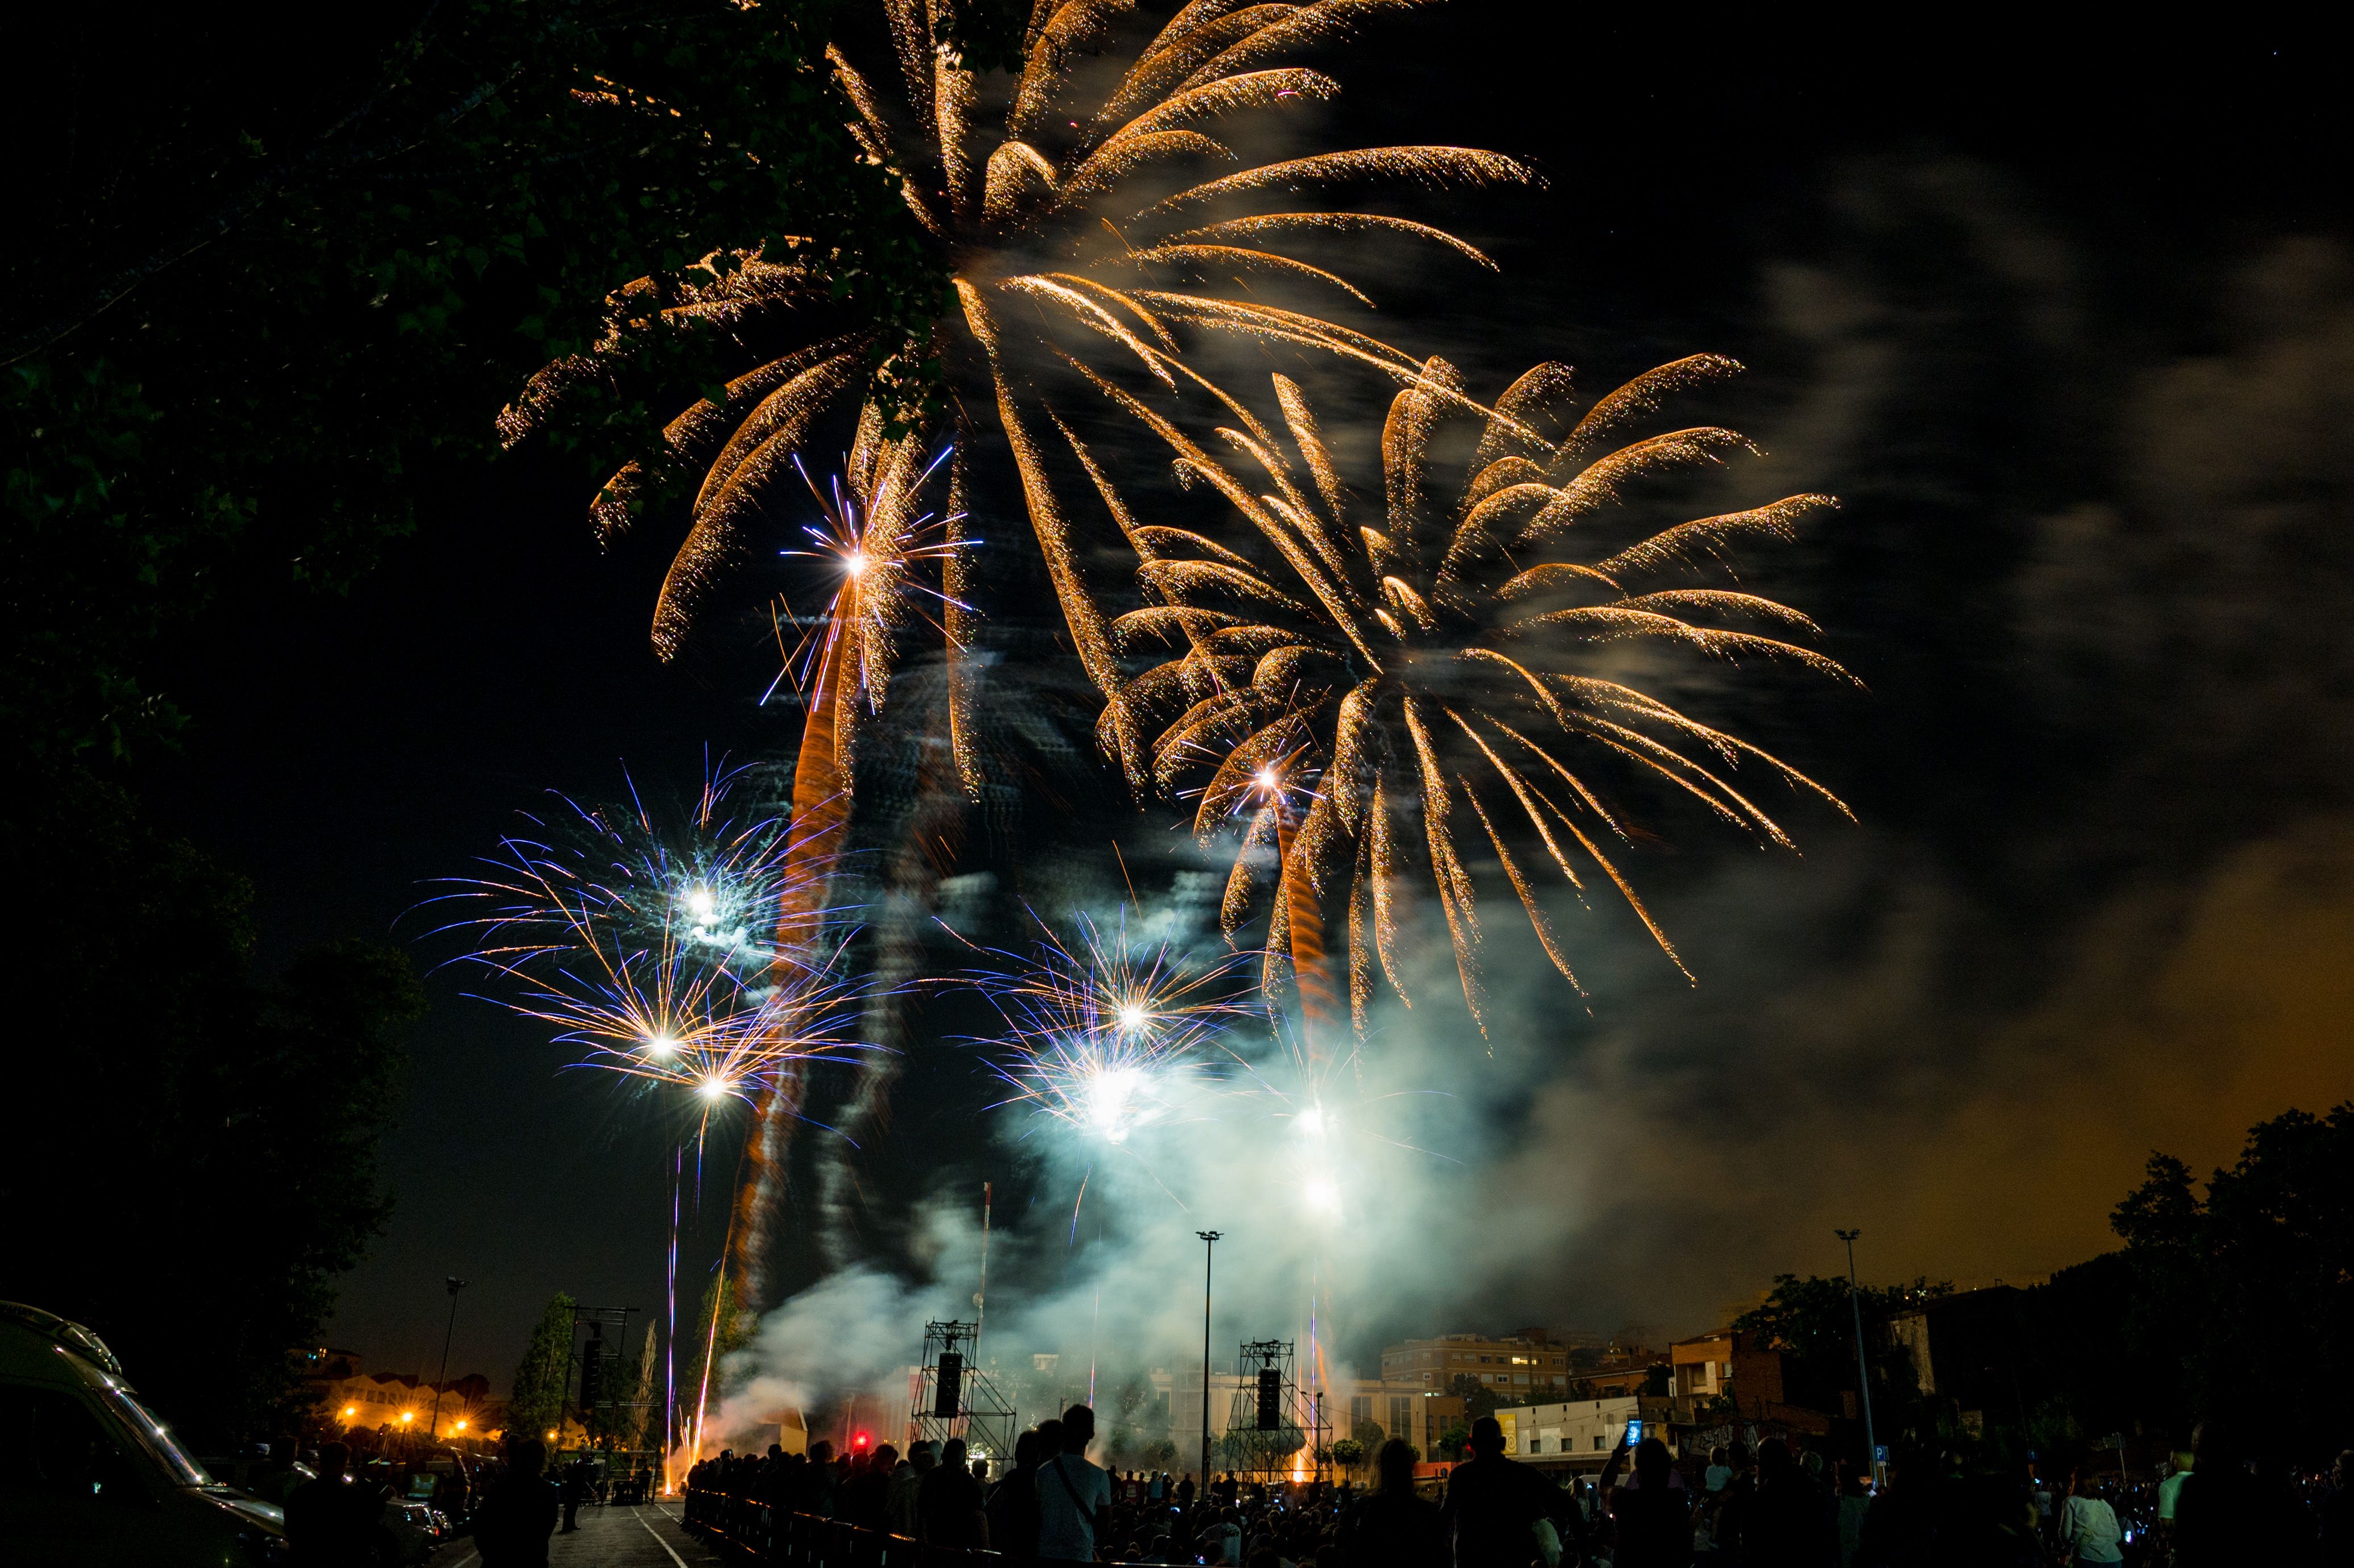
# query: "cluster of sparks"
[1106,1035]
[879,547]
[651,952]
[1370,698]
[1058,178]
[1438,660]
[1337,671]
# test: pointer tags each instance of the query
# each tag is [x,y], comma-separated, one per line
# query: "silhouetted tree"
[2245,1292]
[193,1159]
[1478,1398]
[1810,1321]
[538,1396]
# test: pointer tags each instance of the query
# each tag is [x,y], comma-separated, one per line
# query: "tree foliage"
[267,306]
[2243,1297]
[1810,1321]
[702,1336]
[268,290]
[1134,1431]
[1478,1398]
[201,1162]
[537,1397]
[641,1420]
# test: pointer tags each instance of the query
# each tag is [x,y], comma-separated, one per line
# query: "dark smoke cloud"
[2098,900]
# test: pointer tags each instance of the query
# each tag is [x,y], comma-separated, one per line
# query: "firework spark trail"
[648,946]
[1420,657]
[669,1329]
[993,212]
[1107,1034]
[651,948]
[878,544]
[1037,192]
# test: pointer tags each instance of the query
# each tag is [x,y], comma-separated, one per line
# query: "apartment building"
[1702,1365]
[1520,1369]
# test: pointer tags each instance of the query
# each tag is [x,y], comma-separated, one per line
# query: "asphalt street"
[613,1537]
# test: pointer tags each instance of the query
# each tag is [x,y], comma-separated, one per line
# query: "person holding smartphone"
[1652,1512]
[2088,1525]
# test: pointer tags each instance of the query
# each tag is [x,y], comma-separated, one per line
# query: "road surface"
[612,1537]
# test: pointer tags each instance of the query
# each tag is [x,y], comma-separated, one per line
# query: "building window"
[1361,1407]
[1598,1442]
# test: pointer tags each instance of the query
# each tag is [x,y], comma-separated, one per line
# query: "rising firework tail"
[888,560]
[1023,216]
[1377,697]
[1340,675]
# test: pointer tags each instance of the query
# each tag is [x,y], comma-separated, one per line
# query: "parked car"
[89,1475]
[413,1530]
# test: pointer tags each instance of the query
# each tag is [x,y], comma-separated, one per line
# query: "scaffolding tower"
[1273,1419]
[957,1399]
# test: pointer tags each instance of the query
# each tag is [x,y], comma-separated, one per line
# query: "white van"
[88,1475]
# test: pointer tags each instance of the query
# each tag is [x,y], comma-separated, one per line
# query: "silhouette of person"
[518,1512]
[1074,1497]
[1652,1513]
[948,1503]
[330,1520]
[1013,1505]
[1493,1504]
[1391,1527]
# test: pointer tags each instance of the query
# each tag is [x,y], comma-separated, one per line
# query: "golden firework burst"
[1046,238]
[1443,660]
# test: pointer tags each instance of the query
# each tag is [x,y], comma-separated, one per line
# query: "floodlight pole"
[1863,1367]
[1209,1254]
[434,1426]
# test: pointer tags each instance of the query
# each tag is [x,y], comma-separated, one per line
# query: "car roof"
[31,1338]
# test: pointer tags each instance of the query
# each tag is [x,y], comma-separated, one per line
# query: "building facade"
[1519,1368]
[1585,1430]
[387,1402]
[1702,1366]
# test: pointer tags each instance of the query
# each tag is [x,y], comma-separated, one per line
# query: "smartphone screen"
[1634,1432]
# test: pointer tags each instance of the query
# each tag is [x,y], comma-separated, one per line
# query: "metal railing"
[751,1530]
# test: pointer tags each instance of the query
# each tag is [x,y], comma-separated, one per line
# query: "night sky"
[2070,330]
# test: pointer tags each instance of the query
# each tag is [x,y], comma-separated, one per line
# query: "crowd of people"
[336,1499]
[1778,1505]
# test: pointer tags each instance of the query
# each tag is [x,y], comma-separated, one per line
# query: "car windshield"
[154,1438]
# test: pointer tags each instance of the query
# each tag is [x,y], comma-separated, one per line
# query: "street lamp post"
[434,1427]
[1209,1254]
[1863,1367]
